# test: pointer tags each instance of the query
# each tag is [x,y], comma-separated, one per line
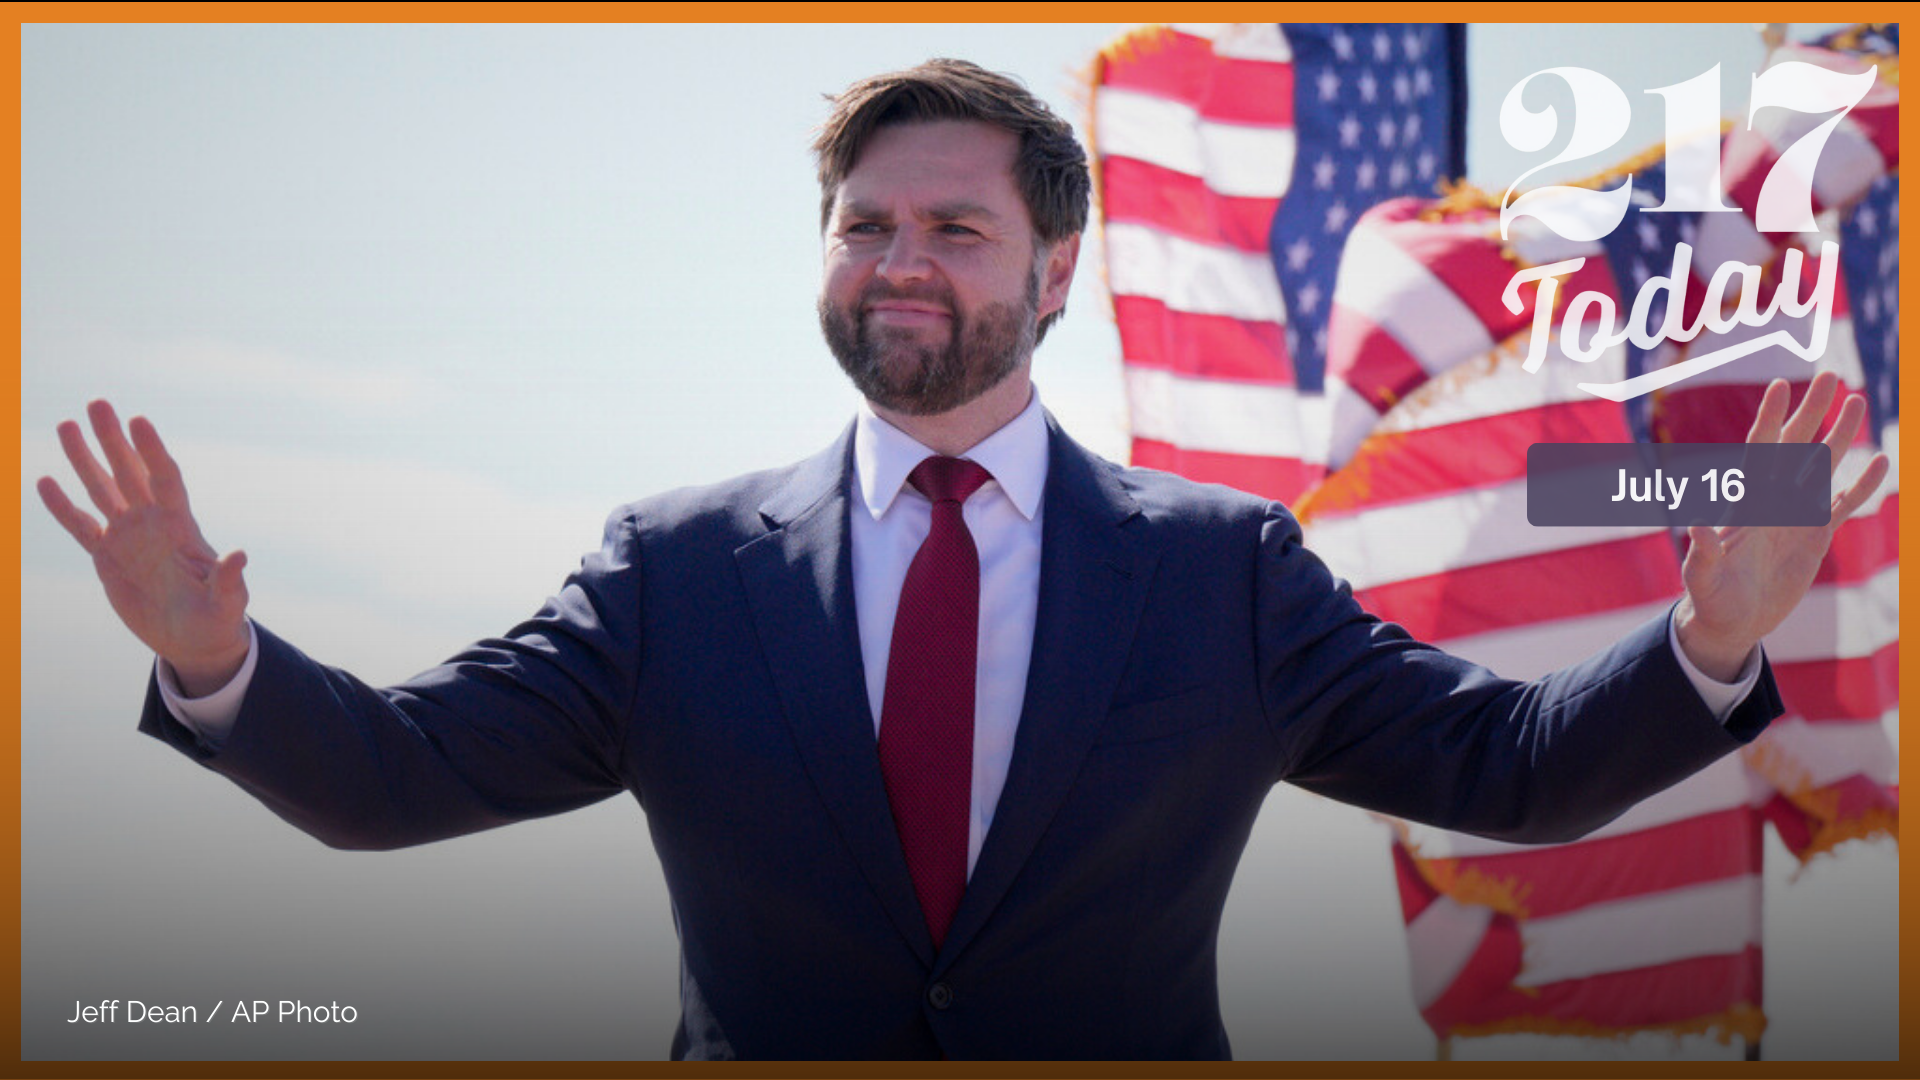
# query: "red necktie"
[926,725]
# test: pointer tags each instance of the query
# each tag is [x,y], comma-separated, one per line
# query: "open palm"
[1743,581]
[163,579]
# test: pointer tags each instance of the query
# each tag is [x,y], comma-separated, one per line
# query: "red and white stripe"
[1862,147]
[1652,920]
[1831,759]
[1418,295]
[1193,132]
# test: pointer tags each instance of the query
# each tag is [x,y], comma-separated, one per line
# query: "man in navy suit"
[984,802]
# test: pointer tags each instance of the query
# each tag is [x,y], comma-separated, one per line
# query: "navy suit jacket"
[1188,655]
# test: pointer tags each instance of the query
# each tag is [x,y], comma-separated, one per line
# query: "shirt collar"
[1016,455]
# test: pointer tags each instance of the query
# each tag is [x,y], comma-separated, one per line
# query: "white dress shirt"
[888,521]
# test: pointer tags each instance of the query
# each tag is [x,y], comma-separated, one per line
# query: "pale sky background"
[416,306]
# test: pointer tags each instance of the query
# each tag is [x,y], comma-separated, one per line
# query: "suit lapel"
[799,581]
[1094,574]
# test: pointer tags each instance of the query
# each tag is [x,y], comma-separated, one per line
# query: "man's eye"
[864,228]
[952,229]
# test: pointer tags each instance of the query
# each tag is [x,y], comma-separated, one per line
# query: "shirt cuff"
[1721,698]
[210,718]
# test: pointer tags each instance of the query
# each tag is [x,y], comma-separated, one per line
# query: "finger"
[1856,495]
[1846,427]
[1773,409]
[1813,408]
[163,473]
[1705,548]
[100,487]
[78,523]
[128,472]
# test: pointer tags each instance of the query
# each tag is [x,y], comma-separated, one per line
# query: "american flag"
[1639,250]
[1650,923]
[1829,764]
[1386,118]
[1870,253]
[1409,464]
[1653,922]
[1870,256]
[1233,162]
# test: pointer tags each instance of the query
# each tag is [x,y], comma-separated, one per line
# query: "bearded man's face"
[932,289]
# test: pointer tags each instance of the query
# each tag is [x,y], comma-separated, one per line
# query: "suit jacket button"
[939,995]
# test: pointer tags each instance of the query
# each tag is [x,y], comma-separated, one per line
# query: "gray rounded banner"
[1679,483]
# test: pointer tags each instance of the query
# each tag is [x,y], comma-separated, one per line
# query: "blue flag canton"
[1870,250]
[1639,249]
[1870,256]
[1642,247]
[1378,113]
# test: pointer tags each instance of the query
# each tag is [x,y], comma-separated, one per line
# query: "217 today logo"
[1785,204]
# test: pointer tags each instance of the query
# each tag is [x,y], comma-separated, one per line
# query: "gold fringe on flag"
[1830,828]
[1463,884]
[1351,485]
[1459,198]
[1469,885]
[1128,47]
[1744,1021]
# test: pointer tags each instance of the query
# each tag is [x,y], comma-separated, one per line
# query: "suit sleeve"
[1365,714]
[514,727]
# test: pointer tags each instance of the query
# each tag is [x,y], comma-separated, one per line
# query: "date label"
[1677,484]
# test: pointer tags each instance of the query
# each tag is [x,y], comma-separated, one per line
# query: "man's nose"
[906,258]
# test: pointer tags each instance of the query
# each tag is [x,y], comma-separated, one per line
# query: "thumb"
[227,580]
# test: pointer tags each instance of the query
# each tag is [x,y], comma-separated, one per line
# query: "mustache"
[878,292]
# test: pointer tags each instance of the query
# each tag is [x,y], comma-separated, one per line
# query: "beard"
[897,371]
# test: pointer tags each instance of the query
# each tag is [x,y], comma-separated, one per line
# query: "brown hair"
[1050,168]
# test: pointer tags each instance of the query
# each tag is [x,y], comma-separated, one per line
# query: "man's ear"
[1057,277]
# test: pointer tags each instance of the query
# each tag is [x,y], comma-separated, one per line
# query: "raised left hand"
[1743,581]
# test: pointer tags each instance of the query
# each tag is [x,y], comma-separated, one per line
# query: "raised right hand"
[178,595]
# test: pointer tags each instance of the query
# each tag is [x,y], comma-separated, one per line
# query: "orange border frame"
[10,633]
